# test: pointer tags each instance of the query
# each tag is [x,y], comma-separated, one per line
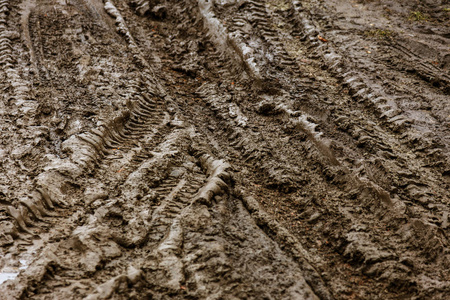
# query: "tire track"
[389,111]
[210,113]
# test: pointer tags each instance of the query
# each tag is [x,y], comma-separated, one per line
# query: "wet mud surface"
[224,149]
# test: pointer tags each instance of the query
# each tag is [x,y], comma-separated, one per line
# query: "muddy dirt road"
[224,149]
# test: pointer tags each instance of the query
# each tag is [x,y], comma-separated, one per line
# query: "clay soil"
[224,149]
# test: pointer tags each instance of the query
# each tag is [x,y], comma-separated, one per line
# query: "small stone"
[314,217]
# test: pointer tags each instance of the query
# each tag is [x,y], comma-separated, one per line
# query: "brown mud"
[224,149]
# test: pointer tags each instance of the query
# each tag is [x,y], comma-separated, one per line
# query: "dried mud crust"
[224,149]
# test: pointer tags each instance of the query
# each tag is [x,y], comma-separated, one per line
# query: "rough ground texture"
[224,149]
